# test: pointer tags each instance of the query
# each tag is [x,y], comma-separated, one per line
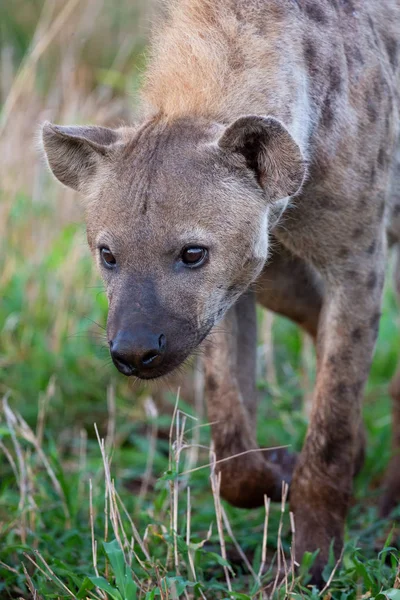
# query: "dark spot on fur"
[335,79]
[352,274]
[311,56]
[362,204]
[343,252]
[357,387]
[377,88]
[373,31]
[340,391]
[332,360]
[211,383]
[371,248]
[372,111]
[381,210]
[382,157]
[232,289]
[374,323]
[372,176]
[356,335]
[348,6]
[357,55]
[391,48]
[315,13]
[357,232]
[327,113]
[396,210]
[372,280]
[346,355]
[327,203]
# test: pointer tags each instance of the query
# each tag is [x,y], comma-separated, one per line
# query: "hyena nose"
[138,353]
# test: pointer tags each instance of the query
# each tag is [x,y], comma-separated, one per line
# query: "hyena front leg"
[322,482]
[291,287]
[230,381]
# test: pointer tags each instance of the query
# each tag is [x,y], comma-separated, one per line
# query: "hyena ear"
[269,151]
[74,153]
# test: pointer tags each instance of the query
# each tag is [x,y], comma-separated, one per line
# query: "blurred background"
[81,61]
[66,61]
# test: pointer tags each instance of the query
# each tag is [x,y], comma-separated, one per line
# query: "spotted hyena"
[266,153]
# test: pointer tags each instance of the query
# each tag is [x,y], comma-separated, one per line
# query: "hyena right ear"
[74,153]
[270,153]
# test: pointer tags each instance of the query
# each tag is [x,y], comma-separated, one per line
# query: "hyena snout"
[138,352]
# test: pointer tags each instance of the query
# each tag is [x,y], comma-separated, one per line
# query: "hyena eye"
[194,256]
[107,257]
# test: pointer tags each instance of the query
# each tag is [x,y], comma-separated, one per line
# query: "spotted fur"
[270,135]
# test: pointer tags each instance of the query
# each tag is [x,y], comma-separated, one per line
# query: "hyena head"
[177,220]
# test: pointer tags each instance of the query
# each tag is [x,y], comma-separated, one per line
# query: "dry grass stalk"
[112,410]
[293,562]
[82,460]
[221,460]
[396,584]
[136,535]
[44,400]
[113,513]
[27,69]
[198,383]
[2,564]
[19,425]
[281,560]
[267,504]
[188,531]
[236,544]
[215,487]
[22,477]
[91,518]
[109,486]
[152,414]
[172,494]
[332,575]
[188,525]
[29,583]
[49,573]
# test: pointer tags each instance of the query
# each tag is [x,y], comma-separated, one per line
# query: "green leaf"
[221,561]
[117,560]
[130,592]
[86,586]
[103,585]
[307,562]
[122,571]
[392,594]
[363,574]
[179,583]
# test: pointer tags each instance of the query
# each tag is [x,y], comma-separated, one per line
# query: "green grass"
[61,502]
[56,375]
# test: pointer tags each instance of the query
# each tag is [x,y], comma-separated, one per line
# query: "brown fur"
[313,162]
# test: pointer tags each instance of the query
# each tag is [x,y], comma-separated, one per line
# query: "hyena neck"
[221,60]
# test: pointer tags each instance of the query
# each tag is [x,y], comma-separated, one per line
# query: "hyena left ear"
[269,151]
[75,153]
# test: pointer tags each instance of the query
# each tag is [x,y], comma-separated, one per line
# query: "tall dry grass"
[81,64]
